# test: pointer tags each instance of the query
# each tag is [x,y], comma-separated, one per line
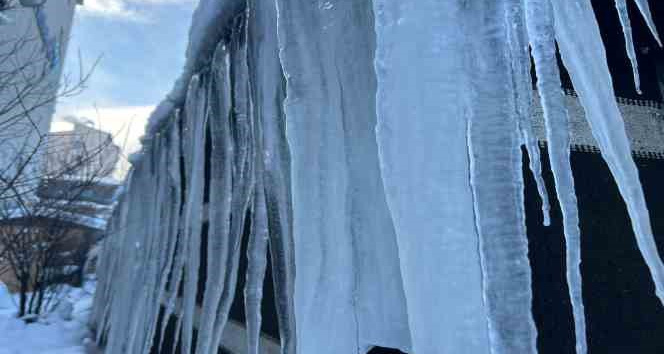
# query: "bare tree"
[30,86]
[34,228]
[40,242]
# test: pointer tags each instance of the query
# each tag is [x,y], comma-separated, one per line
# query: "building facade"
[34,45]
[81,151]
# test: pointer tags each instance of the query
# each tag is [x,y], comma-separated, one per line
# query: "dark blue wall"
[623,314]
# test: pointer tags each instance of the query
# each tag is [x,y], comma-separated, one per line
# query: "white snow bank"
[5,298]
[64,331]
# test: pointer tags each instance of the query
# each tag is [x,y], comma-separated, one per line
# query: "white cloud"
[107,8]
[126,123]
[122,9]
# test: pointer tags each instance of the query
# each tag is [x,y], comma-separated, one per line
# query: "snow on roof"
[97,222]
[204,34]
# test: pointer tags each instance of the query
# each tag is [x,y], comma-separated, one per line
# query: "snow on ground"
[63,331]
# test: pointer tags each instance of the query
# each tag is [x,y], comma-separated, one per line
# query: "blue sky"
[142,45]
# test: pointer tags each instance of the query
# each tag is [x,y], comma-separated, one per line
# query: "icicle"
[540,26]
[267,83]
[121,337]
[535,165]
[256,265]
[621,5]
[242,168]
[193,139]
[145,285]
[647,15]
[155,254]
[340,214]
[497,181]
[421,110]
[109,266]
[325,279]
[523,97]
[167,225]
[169,268]
[378,294]
[180,244]
[578,37]
[220,195]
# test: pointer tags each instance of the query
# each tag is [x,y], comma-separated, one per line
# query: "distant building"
[81,151]
[72,226]
[33,45]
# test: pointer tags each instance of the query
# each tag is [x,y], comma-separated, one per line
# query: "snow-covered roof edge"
[92,222]
[204,34]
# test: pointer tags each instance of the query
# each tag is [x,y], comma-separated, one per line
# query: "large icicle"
[241,121]
[267,83]
[380,304]
[541,31]
[421,111]
[323,251]
[621,5]
[583,54]
[345,241]
[496,179]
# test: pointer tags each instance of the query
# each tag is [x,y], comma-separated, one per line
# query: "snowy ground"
[64,331]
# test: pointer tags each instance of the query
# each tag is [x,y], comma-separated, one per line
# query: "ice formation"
[374,149]
[542,42]
[621,6]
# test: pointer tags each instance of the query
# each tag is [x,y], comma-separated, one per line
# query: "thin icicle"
[220,195]
[242,169]
[256,265]
[644,7]
[621,5]
[179,254]
[127,300]
[535,165]
[157,245]
[147,254]
[523,97]
[169,228]
[194,138]
[540,26]
[583,53]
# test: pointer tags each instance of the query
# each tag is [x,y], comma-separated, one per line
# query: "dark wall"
[650,56]
[623,314]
